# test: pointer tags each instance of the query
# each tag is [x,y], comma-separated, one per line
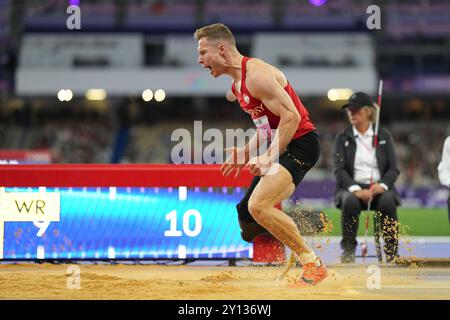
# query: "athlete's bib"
[263,127]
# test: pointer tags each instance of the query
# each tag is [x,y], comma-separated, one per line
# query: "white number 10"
[172,217]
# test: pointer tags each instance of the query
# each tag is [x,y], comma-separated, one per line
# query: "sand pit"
[48,281]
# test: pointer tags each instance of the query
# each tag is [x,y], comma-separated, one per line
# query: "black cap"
[358,100]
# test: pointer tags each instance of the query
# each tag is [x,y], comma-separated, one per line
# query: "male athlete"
[264,92]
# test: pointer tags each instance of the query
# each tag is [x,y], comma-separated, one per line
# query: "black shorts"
[301,155]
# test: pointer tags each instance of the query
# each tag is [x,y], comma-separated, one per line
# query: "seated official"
[356,165]
[444,170]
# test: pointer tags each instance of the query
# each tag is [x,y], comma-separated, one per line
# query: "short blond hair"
[216,31]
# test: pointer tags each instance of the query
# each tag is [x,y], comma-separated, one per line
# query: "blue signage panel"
[132,223]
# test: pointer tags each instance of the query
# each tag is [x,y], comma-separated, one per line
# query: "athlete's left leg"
[301,156]
[271,190]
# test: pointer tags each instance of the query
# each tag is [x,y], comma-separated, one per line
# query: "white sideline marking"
[181,252]
[40,252]
[182,193]
[111,253]
[370,239]
[112,193]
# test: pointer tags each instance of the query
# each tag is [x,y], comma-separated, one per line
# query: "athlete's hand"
[236,161]
[259,166]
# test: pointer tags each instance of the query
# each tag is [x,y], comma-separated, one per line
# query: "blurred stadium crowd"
[411,53]
[90,137]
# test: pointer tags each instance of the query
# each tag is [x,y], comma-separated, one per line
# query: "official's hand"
[376,188]
[259,166]
[236,161]
[365,195]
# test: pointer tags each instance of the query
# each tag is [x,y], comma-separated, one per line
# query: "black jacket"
[345,151]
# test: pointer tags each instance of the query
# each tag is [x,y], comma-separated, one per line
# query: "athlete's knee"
[250,230]
[258,211]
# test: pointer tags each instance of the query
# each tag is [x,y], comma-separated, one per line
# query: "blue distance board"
[133,223]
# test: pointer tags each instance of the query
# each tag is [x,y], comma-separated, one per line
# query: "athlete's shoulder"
[260,79]
[259,72]
[256,65]
[262,72]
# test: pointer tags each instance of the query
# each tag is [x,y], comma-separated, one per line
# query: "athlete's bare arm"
[263,82]
[252,147]
[240,156]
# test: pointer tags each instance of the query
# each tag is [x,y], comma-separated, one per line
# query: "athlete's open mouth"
[210,69]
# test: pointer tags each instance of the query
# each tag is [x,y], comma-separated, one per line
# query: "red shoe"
[311,275]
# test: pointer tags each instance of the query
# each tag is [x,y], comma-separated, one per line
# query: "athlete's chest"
[248,103]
